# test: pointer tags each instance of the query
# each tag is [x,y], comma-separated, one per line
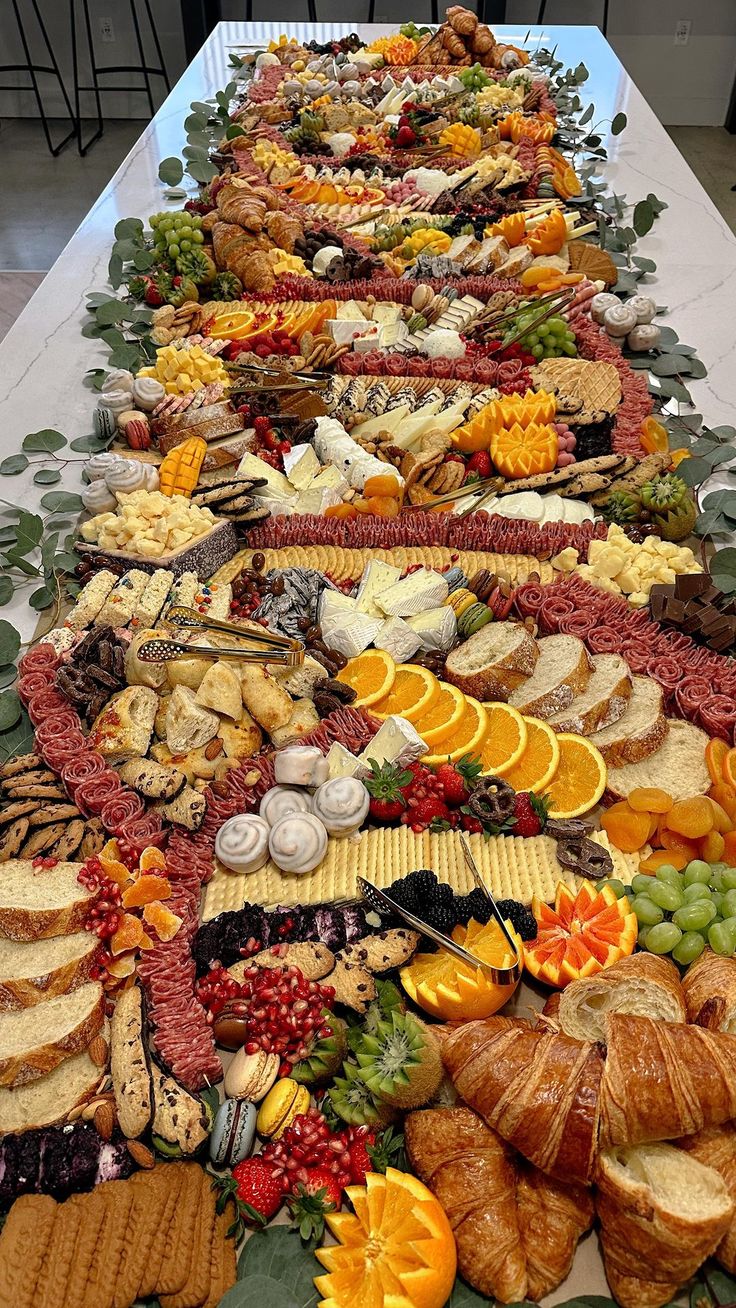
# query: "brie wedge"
[301,466]
[277,486]
[344,627]
[436,628]
[398,639]
[421,590]
[377,577]
[342,763]
[396,741]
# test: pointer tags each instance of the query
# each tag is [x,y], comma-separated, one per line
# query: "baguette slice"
[36,902]
[639,731]
[562,671]
[34,1041]
[52,1097]
[33,971]
[604,700]
[678,766]
[491,663]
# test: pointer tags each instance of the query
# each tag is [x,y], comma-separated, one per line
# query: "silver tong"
[270,648]
[379,900]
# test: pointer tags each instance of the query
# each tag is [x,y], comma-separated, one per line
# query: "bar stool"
[311,10]
[32,69]
[143,68]
[604,26]
[434,16]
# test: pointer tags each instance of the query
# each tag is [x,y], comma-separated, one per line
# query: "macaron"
[285,1101]
[233,1132]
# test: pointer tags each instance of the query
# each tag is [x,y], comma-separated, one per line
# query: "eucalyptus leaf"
[113,337]
[721,454]
[233,131]
[177,193]
[698,369]
[699,1296]
[143,260]
[202,170]
[196,122]
[719,499]
[62,502]
[30,531]
[65,561]
[125,356]
[618,124]
[47,476]
[277,1252]
[643,219]
[261,1290]
[195,152]
[693,471]
[128,229]
[9,642]
[13,464]
[586,115]
[110,312]
[17,560]
[645,265]
[708,524]
[10,709]
[723,433]
[171,171]
[91,444]
[463,1296]
[94,378]
[96,298]
[670,365]
[91,330]
[722,1286]
[722,571]
[44,442]
[18,740]
[8,671]
[657,205]
[126,249]
[42,598]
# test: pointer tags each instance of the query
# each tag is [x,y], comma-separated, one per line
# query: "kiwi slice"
[325,1053]
[401,1062]
[353,1102]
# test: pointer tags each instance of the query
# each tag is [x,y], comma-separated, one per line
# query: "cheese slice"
[416,424]
[421,590]
[277,486]
[301,466]
[436,628]
[396,741]
[389,422]
[342,763]
[377,577]
[398,639]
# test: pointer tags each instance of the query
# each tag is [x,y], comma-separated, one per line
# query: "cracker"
[180,1241]
[196,1288]
[23,1245]
[150,1194]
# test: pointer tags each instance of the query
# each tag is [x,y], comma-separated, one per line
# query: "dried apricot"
[691,817]
[729,848]
[723,822]
[128,934]
[676,858]
[715,756]
[654,821]
[382,484]
[724,795]
[712,847]
[625,829]
[162,920]
[152,858]
[648,799]
[673,841]
[340,511]
[729,767]
[384,506]
[145,890]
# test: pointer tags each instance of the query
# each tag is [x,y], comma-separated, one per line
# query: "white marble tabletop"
[44,357]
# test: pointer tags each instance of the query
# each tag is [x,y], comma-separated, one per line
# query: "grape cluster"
[474,78]
[680,912]
[176,233]
[546,340]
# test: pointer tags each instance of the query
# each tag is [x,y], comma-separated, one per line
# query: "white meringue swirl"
[99,465]
[148,392]
[115,400]
[118,379]
[280,801]
[341,805]
[241,843]
[298,842]
[98,498]
[127,475]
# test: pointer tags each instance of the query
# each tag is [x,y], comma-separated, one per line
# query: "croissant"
[663,1080]
[538,1090]
[237,204]
[709,986]
[661,1213]
[233,248]
[716,1147]
[645,985]
[284,230]
[516,1230]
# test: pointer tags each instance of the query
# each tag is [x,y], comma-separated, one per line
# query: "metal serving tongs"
[275,649]
[379,900]
[484,489]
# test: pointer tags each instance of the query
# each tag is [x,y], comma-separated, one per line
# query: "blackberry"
[479,906]
[443,895]
[521,918]
[440,916]
[462,909]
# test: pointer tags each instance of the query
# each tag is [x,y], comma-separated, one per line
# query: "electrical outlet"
[107,31]
[683,28]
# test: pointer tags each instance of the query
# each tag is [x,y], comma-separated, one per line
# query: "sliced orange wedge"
[371,675]
[538,764]
[439,721]
[505,739]
[447,988]
[414,690]
[465,737]
[580,778]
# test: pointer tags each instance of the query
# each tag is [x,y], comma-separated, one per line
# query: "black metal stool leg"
[144,69]
[157,43]
[434,12]
[542,11]
[372,11]
[605,17]
[312,11]
[142,53]
[83,146]
[32,69]
[249,11]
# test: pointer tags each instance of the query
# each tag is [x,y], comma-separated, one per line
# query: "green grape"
[728,904]
[666,897]
[167,223]
[695,916]
[641,939]
[669,875]
[720,939]
[647,912]
[728,878]
[640,884]
[198,237]
[537,351]
[663,937]
[543,330]
[186,231]
[717,899]
[532,339]
[716,882]
[618,887]
[689,948]
[696,891]
[185,246]
[569,349]
[697,870]
[154,221]
[174,251]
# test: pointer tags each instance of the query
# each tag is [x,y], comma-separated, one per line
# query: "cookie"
[223,1259]
[164,1239]
[100,1290]
[20,808]
[23,1245]
[69,842]
[12,838]
[39,841]
[93,1208]
[181,1235]
[151,1191]
[51,1290]
[35,775]
[23,763]
[196,1288]
[46,813]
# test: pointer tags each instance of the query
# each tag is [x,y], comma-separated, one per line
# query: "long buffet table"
[44,357]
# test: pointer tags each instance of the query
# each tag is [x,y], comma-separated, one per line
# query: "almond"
[142,1155]
[214,748]
[98,1051]
[104,1120]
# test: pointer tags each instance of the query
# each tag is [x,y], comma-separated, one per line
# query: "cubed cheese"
[396,741]
[419,591]
[436,628]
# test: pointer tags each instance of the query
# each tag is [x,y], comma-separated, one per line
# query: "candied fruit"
[162,920]
[128,934]
[145,890]
[152,858]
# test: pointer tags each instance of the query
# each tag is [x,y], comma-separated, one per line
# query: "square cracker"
[23,1245]
[197,1286]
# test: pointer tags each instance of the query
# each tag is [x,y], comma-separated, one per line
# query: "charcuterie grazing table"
[368,707]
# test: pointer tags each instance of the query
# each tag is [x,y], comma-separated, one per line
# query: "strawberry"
[386,787]
[480,462]
[456,778]
[425,812]
[311,1199]
[153,296]
[256,1190]
[405,137]
[530,814]
[360,1158]
[470,823]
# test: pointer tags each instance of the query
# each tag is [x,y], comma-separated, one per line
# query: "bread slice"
[493,662]
[36,902]
[639,731]
[52,1097]
[562,671]
[34,1041]
[31,971]
[604,700]
[678,766]
[644,985]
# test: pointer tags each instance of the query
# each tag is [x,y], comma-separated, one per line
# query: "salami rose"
[81,768]
[33,683]
[93,794]
[45,702]
[637,654]
[528,599]
[59,751]
[140,832]
[553,608]
[577,624]
[120,810]
[717,715]
[41,657]
[56,725]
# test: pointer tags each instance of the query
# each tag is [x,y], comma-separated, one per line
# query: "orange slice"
[716,753]
[371,675]
[414,690]
[440,720]
[505,739]
[396,1250]
[538,764]
[585,931]
[465,737]
[580,778]
[447,988]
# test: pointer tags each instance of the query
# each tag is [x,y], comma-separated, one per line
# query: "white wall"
[688,84]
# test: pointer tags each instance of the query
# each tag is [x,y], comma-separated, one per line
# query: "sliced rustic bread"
[35,1040]
[678,766]
[562,671]
[36,902]
[604,700]
[639,731]
[52,1097]
[31,971]
[493,661]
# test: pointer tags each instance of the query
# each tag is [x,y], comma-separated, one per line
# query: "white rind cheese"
[397,742]
[301,466]
[436,628]
[377,577]
[421,590]
[277,486]
[398,639]
[342,763]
